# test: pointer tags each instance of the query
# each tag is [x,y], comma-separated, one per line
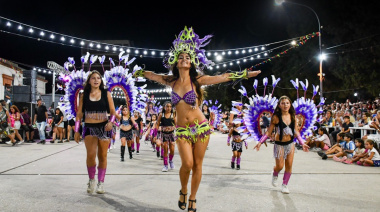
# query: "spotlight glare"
[219,58]
[31,30]
[42,33]
[52,36]
[9,24]
[82,43]
[19,27]
[72,41]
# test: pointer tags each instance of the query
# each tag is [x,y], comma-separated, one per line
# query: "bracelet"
[77,126]
[238,75]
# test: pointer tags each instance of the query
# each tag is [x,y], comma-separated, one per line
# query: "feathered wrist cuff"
[228,139]
[139,73]
[238,75]
[112,119]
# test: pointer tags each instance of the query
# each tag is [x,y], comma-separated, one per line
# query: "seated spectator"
[345,127]
[373,157]
[360,152]
[346,149]
[364,120]
[224,127]
[336,147]
[322,142]
[327,120]
[376,122]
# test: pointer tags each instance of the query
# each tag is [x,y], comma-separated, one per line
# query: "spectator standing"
[15,122]
[27,125]
[4,125]
[8,96]
[58,126]
[40,118]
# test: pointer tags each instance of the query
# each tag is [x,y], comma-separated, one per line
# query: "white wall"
[17,80]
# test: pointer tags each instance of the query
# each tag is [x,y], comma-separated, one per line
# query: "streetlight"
[321,56]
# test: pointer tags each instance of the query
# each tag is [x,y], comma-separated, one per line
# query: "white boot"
[285,189]
[91,186]
[100,189]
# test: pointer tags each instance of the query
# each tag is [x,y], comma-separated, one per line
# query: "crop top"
[284,129]
[165,122]
[190,97]
[96,109]
[125,122]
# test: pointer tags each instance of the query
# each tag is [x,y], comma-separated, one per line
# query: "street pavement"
[53,177]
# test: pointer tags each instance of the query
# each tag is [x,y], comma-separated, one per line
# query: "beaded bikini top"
[189,97]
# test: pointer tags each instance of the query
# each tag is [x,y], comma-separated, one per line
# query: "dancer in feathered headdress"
[184,60]
[94,106]
[285,122]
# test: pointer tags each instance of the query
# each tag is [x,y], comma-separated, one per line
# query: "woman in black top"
[58,125]
[286,125]
[167,121]
[206,111]
[137,132]
[94,104]
[126,135]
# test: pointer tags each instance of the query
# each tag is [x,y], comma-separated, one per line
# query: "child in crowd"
[322,142]
[336,147]
[346,149]
[360,152]
[373,157]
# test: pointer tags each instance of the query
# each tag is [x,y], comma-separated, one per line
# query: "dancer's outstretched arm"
[211,80]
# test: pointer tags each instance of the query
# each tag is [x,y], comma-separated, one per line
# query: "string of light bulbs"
[59,38]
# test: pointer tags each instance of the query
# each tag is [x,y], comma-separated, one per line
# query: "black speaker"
[21,93]
[27,81]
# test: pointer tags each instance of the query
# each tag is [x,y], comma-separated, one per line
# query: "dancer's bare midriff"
[186,115]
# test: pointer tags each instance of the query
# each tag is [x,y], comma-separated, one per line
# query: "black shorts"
[97,130]
[126,134]
[65,123]
[27,128]
[237,146]
[72,122]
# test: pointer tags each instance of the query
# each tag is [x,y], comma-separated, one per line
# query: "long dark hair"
[292,113]
[373,143]
[278,111]
[87,86]
[208,109]
[193,77]
[163,108]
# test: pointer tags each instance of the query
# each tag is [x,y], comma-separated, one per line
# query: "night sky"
[149,25]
